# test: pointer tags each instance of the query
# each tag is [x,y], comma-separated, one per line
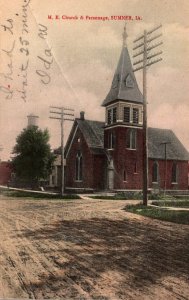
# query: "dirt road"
[89,250]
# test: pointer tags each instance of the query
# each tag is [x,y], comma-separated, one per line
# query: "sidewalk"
[25,190]
[170,207]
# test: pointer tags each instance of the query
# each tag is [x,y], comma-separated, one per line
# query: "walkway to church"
[89,249]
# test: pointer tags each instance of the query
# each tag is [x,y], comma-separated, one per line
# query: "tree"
[33,159]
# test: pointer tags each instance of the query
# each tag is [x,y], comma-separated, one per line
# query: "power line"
[60,113]
[144,63]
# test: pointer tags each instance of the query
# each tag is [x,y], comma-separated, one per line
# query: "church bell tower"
[123,133]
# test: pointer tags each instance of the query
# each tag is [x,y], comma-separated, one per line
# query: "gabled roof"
[93,132]
[124,85]
[175,149]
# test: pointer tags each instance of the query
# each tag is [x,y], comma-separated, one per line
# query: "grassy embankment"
[184,203]
[37,195]
[176,216]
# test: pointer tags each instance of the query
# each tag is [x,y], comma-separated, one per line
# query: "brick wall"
[93,165]
[125,159]
[5,172]
[182,174]
[99,172]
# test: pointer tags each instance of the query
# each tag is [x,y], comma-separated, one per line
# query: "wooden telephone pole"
[62,112]
[146,61]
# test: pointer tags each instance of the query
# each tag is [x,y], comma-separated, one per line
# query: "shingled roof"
[124,85]
[93,131]
[156,150]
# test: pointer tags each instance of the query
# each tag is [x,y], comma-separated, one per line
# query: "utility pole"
[165,170]
[143,44]
[62,112]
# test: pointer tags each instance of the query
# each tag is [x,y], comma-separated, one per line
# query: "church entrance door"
[111,175]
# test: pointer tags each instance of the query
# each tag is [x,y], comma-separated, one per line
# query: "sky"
[73,64]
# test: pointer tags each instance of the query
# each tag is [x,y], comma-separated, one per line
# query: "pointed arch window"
[79,166]
[174,174]
[131,139]
[135,168]
[124,175]
[155,171]
[111,140]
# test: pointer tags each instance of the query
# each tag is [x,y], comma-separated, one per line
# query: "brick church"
[109,155]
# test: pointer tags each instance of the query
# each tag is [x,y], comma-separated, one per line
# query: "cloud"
[172,117]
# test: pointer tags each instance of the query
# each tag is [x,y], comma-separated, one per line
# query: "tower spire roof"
[125,35]
[124,85]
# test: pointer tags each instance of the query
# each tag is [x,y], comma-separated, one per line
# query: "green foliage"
[160,196]
[121,196]
[176,216]
[172,203]
[36,195]
[181,197]
[131,195]
[33,157]
[155,197]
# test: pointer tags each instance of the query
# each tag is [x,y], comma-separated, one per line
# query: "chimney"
[82,115]
[32,120]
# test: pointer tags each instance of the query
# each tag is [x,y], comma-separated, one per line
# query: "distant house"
[55,176]
[5,172]
[109,155]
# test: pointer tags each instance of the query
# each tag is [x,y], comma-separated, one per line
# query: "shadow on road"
[140,253]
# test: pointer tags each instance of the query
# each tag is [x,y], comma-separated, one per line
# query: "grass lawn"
[134,196]
[36,195]
[119,196]
[181,216]
[172,203]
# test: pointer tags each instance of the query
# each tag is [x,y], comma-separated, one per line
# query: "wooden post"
[62,151]
[61,112]
[145,126]
[147,60]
